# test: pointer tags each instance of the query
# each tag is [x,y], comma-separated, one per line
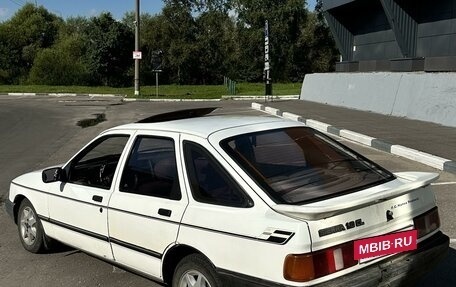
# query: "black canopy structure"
[393,35]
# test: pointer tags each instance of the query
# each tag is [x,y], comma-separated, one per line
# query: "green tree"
[5,48]
[62,64]
[22,37]
[109,51]
[65,63]
[180,51]
[72,26]
[202,5]
[324,51]
[215,43]
[191,41]
[287,23]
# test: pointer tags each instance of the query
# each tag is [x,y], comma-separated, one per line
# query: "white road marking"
[444,183]
[452,241]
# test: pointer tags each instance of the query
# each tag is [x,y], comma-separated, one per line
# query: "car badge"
[389,215]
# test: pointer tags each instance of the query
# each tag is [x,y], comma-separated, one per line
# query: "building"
[393,35]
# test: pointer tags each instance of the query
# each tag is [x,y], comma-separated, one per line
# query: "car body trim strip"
[136,248]
[236,235]
[102,237]
[142,215]
[75,229]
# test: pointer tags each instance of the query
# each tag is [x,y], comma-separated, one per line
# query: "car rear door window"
[151,169]
[209,182]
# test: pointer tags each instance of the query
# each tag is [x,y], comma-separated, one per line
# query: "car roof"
[203,126]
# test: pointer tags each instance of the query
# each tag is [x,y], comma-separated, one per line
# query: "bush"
[60,65]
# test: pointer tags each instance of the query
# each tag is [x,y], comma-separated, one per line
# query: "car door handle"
[164,212]
[97,198]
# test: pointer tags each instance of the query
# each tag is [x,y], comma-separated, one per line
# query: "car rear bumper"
[9,207]
[401,270]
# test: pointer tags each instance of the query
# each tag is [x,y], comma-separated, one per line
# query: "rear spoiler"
[328,208]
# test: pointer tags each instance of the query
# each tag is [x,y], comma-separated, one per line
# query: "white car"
[190,199]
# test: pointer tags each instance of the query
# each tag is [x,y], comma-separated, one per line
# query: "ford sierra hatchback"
[192,199]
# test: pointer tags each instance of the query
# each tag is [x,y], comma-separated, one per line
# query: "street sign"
[267,65]
[137,55]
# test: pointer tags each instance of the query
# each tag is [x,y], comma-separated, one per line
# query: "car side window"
[95,166]
[209,182]
[151,169]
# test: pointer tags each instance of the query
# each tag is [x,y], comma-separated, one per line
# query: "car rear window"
[300,165]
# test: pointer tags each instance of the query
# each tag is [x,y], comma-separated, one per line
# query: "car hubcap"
[193,278]
[28,226]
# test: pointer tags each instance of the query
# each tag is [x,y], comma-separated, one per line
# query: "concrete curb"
[412,154]
[124,97]
[256,97]
[61,95]
[169,100]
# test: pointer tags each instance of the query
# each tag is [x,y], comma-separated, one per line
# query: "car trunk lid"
[382,209]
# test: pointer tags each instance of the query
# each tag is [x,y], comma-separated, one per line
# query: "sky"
[87,8]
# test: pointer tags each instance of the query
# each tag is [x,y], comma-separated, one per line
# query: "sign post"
[156,81]
[156,61]
[267,66]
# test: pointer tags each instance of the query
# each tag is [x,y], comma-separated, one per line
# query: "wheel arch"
[17,203]
[173,256]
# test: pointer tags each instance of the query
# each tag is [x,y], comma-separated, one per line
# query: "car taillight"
[427,222]
[310,266]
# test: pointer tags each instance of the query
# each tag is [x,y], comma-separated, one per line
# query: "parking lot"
[37,132]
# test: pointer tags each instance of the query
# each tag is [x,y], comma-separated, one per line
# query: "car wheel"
[195,271]
[31,231]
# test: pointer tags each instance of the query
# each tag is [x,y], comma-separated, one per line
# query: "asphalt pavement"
[36,132]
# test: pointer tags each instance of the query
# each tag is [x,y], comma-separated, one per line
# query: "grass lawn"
[165,91]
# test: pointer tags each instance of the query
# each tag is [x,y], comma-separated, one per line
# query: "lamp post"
[137,42]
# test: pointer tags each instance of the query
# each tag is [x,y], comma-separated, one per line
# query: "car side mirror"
[53,174]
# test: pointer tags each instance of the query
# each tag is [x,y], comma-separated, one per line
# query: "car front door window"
[95,166]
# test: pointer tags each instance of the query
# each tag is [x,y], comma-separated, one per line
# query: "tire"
[30,230]
[194,270]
